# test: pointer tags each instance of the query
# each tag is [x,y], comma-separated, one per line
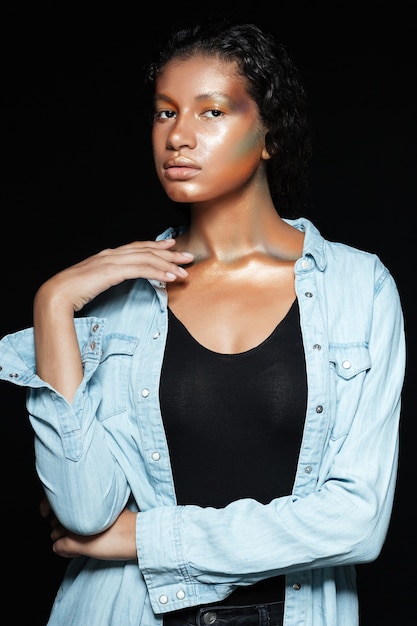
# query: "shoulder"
[336,256]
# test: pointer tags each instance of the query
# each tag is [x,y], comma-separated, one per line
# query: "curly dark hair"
[275,85]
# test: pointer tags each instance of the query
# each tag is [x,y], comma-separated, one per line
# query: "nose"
[182,134]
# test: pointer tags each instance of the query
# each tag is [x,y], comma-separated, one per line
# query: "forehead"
[201,74]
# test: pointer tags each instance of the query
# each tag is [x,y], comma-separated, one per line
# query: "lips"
[180,168]
[179,162]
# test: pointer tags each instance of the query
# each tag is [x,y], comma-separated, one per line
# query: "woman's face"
[207,137]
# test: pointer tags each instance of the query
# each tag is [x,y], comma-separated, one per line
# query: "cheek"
[156,145]
[246,148]
[243,156]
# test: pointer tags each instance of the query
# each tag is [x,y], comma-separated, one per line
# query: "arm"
[343,521]
[58,359]
[116,543]
[343,515]
[74,453]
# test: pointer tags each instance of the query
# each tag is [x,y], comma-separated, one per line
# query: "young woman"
[216,412]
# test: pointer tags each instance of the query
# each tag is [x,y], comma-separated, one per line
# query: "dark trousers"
[221,615]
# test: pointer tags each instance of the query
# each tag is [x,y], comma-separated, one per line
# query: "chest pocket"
[349,364]
[350,360]
[113,374]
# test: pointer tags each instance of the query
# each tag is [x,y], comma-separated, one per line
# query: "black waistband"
[264,592]
[253,614]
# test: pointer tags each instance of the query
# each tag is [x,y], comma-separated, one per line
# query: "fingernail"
[170,276]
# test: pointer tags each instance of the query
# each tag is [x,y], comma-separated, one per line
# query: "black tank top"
[234,423]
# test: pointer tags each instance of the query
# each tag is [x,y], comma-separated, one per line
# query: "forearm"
[116,543]
[58,359]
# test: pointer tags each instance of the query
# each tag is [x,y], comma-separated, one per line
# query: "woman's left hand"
[116,543]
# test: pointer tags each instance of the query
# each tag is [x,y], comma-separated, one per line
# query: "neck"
[231,229]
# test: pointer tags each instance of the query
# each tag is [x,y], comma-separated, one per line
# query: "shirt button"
[308,294]
[296,586]
[163,599]
[319,409]
[304,264]
[156,335]
[180,595]
[155,456]
[308,469]
[346,365]
[95,328]
[145,393]
[317,346]
[93,345]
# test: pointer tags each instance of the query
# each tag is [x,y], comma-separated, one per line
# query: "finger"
[55,523]
[61,548]
[143,253]
[58,531]
[44,507]
[138,259]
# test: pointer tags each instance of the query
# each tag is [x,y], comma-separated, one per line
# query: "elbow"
[84,518]
[369,540]
[84,523]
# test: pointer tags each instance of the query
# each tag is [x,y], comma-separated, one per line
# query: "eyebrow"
[211,95]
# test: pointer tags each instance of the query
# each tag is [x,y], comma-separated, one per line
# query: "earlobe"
[265,154]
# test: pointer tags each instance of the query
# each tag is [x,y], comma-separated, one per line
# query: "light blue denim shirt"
[108,449]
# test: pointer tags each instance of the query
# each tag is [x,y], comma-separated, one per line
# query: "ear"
[265,154]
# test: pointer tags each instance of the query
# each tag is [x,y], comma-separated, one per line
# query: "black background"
[77,176]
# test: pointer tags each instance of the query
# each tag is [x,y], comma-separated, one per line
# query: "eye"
[166,114]
[213,113]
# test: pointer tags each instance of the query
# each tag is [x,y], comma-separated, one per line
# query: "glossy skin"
[209,151]
[207,138]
